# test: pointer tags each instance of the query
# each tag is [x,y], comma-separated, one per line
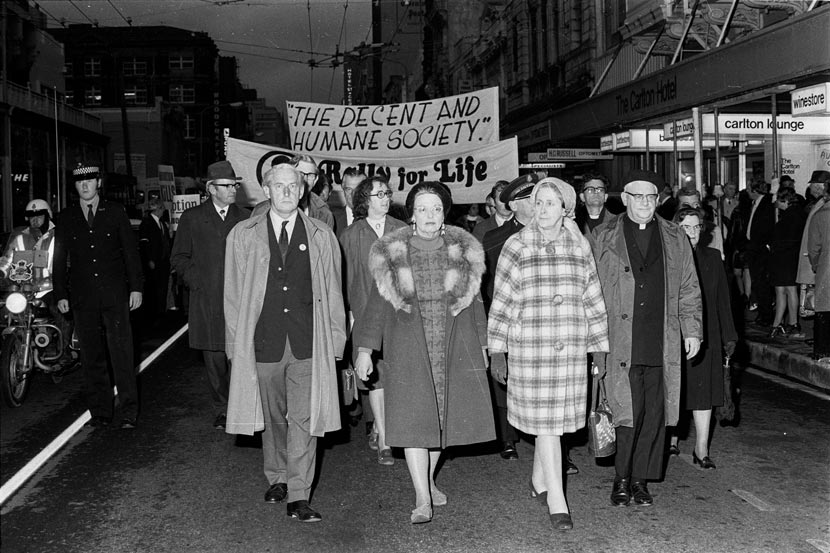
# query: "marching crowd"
[446,334]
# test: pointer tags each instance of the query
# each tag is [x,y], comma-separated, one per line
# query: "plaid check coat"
[547,313]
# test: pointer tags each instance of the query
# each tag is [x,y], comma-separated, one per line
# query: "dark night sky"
[271,24]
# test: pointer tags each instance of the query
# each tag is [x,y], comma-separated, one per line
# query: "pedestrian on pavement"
[199,260]
[805,277]
[647,271]
[425,313]
[591,211]
[547,314]
[285,327]
[818,250]
[760,220]
[515,197]
[371,200]
[702,376]
[783,265]
[501,213]
[154,246]
[102,288]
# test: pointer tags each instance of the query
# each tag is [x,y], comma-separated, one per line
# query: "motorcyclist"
[39,234]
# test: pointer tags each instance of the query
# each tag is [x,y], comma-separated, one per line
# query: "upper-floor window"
[182,94]
[134,66]
[135,95]
[69,98]
[92,67]
[92,96]
[68,68]
[181,61]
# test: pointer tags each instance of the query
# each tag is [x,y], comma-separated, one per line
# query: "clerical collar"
[639,226]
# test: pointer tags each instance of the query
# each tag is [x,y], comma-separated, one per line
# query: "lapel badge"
[303,247]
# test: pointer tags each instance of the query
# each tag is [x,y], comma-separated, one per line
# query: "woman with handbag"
[426,313]
[371,199]
[547,314]
[703,376]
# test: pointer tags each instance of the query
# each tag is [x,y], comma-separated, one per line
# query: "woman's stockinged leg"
[792,304]
[780,305]
[549,453]
[418,463]
[702,419]
[376,401]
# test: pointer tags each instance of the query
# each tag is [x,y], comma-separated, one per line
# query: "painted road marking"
[821,545]
[15,482]
[753,500]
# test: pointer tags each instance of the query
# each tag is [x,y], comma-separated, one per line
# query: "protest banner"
[469,174]
[395,131]
[179,204]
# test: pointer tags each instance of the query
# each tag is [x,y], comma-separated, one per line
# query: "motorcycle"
[31,337]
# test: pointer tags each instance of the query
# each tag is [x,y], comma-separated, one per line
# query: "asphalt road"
[177,485]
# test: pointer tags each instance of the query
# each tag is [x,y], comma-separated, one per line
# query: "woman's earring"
[443,228]
[412,224]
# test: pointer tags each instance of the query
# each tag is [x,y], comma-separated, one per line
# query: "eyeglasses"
[309,175]
[422,210]
[594,190]
[235,185]
[644,198]
[692,228]
[382,194]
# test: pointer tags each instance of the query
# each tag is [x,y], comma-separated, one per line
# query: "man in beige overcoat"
[285,326]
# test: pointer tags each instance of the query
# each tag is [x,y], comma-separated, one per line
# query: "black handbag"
[602,435]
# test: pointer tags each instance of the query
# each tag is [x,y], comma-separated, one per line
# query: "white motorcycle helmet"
[38,205]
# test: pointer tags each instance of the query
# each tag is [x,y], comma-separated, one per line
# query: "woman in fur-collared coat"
[426,313]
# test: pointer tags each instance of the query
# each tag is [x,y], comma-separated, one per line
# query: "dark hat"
[221,172]
[85,171]
[648,176]
[820,176]
[519,188]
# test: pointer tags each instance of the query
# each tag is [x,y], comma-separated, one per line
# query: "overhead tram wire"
[74,5]
[270,47]
[397,28]
[61,22]
[339,42]
[311,62]
[127,20]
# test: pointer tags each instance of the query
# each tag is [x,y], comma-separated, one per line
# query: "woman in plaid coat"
[547,313]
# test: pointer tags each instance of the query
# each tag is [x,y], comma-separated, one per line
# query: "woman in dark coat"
[702,383]
[370,200]
[426,313]
[783,263]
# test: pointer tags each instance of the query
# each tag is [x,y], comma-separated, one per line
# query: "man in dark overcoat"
[501,213]
[651,291]
[154,246]
[516,197]
[103,285]
[199,258]
[759,224]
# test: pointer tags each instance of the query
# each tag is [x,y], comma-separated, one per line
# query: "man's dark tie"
[284,240]
[222,214]
[90,216]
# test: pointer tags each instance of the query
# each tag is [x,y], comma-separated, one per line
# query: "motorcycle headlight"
[16,302]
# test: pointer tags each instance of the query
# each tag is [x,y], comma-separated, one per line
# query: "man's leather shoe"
[303,512]
[621,492]
[219,421]
[98,422]
[639,492]
[128,424]
[276,493]
[509,452]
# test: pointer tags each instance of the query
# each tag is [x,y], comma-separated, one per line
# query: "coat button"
[557,299]
[624,316]
[285,288]
[559,346]
[285,310]
[627,269]
[623,365]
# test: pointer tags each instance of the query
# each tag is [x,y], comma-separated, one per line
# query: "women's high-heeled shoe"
[542,497]
[778,331]
[561,521]
[674,450]
[421,515]
[439,498]
[705,463]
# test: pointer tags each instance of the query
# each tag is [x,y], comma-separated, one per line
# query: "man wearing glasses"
[592,211]
[198,257]
[652,295]
[312,204]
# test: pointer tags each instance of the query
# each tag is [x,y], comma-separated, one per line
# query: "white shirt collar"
[277,221]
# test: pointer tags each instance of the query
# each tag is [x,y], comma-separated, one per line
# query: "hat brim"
[223,181]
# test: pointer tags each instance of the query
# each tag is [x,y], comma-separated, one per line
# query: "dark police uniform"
[106,267]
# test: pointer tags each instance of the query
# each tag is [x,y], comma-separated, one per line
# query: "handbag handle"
[597,390]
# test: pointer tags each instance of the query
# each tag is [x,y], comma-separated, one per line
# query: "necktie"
[284,239]
[222,214]
[90,215]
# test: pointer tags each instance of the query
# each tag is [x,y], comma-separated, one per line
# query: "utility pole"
[7,128]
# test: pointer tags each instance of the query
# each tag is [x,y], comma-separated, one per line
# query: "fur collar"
[390,267]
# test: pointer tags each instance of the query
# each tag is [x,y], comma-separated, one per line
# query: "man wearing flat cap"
[286,326]
[516,197]
[653,300]
[102,287]
[198,256]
